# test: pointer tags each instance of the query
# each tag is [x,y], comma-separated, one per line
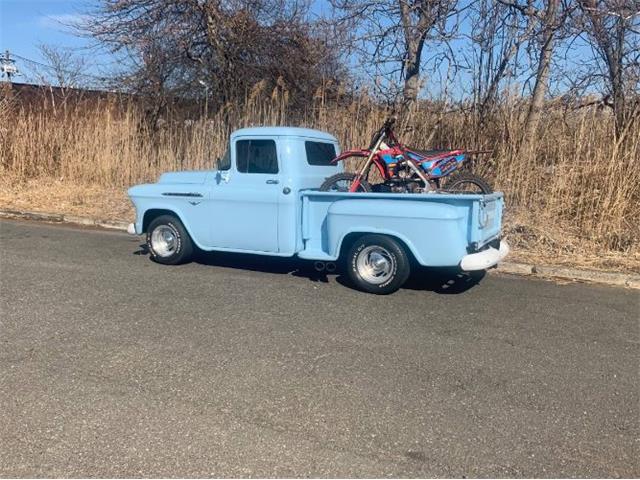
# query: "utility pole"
[7,66]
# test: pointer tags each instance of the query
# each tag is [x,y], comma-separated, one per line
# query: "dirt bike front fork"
[367,164]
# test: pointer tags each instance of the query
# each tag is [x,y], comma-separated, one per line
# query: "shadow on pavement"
[262,263]
[445,281]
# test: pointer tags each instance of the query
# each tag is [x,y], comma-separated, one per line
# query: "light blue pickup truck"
[263,198]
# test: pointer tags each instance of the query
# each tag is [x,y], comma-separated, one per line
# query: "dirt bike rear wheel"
[341,182]
[467,183]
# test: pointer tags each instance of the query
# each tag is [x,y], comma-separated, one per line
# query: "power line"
[50,67]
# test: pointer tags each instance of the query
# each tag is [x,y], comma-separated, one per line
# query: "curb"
[60,218]
[575,274]
[512,268]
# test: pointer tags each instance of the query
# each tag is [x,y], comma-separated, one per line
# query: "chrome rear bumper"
[485,259]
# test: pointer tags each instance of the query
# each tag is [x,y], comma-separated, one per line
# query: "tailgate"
[486,220]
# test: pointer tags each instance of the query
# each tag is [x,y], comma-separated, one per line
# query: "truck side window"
[320,153]
[256,156]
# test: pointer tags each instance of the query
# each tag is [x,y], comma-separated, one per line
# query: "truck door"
[244,199]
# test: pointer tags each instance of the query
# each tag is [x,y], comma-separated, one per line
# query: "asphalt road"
[111,365]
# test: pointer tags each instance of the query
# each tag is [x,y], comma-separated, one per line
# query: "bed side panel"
[435,232]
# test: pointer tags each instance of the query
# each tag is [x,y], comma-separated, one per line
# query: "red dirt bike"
[404,169]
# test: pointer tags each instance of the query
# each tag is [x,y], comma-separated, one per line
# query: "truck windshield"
[225,162]
[320,153]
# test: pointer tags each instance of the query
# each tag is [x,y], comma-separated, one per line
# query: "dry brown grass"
[573,193]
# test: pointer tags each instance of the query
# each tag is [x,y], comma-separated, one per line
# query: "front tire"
[341,182]
[377,264]
[168,241]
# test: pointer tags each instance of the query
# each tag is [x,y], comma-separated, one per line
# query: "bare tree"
[497,36]
[546,18]
[228,46]
[393,33]
[418,19]
[62,68]
[613,29]
[550,23]
[66,66]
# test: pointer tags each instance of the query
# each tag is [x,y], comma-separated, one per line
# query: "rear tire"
[168,241]
[459,183]
[341,182]
[377,264]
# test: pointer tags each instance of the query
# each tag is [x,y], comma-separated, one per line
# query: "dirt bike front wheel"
[341,182]
[467,183]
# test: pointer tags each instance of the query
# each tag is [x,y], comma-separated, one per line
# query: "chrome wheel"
[164,240]
[375,264]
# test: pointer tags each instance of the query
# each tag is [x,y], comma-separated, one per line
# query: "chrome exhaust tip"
[319,266]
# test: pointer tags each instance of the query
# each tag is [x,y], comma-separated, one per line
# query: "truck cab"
[249,202]
[262,198]
[260,178]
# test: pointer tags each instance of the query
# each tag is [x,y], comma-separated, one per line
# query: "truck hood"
[194,177]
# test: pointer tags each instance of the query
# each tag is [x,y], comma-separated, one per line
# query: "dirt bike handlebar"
[385,130]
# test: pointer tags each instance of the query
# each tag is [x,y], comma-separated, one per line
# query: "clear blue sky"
[24,24]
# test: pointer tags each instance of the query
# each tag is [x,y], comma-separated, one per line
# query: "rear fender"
[350,237]
[434,233]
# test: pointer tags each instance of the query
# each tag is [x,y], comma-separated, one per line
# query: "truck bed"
[438,229]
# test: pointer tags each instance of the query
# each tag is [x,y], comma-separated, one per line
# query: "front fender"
[187,210]
[351,153]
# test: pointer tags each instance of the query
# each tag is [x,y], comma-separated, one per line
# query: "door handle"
[273,182]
